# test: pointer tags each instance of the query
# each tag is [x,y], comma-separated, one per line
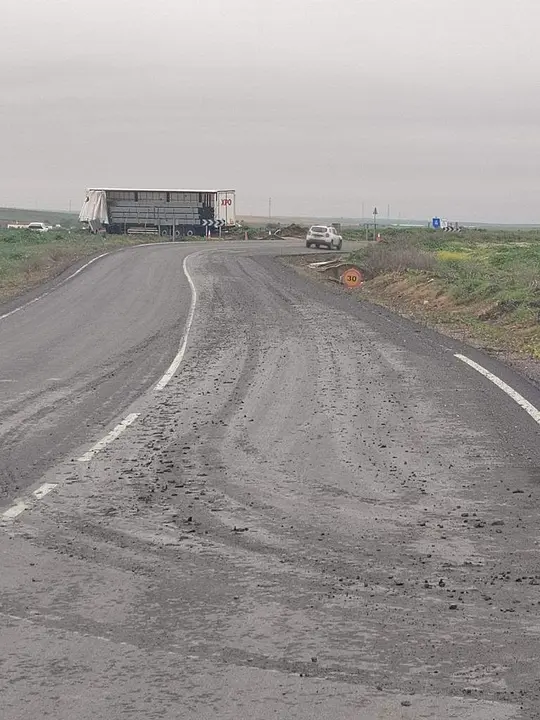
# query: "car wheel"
[308,245]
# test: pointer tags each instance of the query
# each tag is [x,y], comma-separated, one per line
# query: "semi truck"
[170,213]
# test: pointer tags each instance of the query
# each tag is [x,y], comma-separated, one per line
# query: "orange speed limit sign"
[352,277]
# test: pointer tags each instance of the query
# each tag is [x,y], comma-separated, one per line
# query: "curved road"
[325,513]
[71,362]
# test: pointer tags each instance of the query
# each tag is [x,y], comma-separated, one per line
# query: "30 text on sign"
[352,277]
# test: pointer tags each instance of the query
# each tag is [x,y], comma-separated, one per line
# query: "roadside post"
[375,213]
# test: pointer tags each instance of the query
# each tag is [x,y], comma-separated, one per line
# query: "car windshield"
[319,229]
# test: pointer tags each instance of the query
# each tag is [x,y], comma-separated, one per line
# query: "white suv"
[324,235]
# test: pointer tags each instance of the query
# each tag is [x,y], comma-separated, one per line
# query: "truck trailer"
[170,213]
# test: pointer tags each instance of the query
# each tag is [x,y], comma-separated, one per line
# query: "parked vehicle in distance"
[38,226]
[325,236]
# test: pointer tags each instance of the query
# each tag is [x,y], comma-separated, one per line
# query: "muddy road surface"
[318,511]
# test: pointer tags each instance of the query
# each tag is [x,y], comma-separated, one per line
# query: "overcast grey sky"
[431,106]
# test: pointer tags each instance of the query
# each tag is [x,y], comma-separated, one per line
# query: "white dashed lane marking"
[163,382]
[110,437]
[19,507]
[14,511]
[44,489]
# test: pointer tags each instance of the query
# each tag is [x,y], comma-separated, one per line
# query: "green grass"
[504,273]
[480,264]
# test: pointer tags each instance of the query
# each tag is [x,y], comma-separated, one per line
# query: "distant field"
[348,222]
[260,221]
[18,215]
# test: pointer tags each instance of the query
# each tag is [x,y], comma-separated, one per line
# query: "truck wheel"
[190,233]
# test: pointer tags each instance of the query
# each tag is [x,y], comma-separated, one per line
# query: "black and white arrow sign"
[213,223]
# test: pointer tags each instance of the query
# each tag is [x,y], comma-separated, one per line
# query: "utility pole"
[363,215]
[269,208]
[375,213]
[388,214]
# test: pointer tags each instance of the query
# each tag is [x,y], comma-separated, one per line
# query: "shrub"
[394,257]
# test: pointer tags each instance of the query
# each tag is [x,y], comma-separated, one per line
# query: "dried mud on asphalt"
[321,516]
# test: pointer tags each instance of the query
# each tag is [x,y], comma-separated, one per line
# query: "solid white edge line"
[108,439]
[65,280]
[14,511]
[165,380]
[525,404]
[44,489]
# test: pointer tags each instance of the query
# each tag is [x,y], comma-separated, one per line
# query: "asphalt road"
[72,362]
[325,513]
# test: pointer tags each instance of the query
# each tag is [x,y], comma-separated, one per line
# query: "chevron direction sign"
[213,223]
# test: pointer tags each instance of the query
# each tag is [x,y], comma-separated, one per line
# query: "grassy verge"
[482,285]
[28,258]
